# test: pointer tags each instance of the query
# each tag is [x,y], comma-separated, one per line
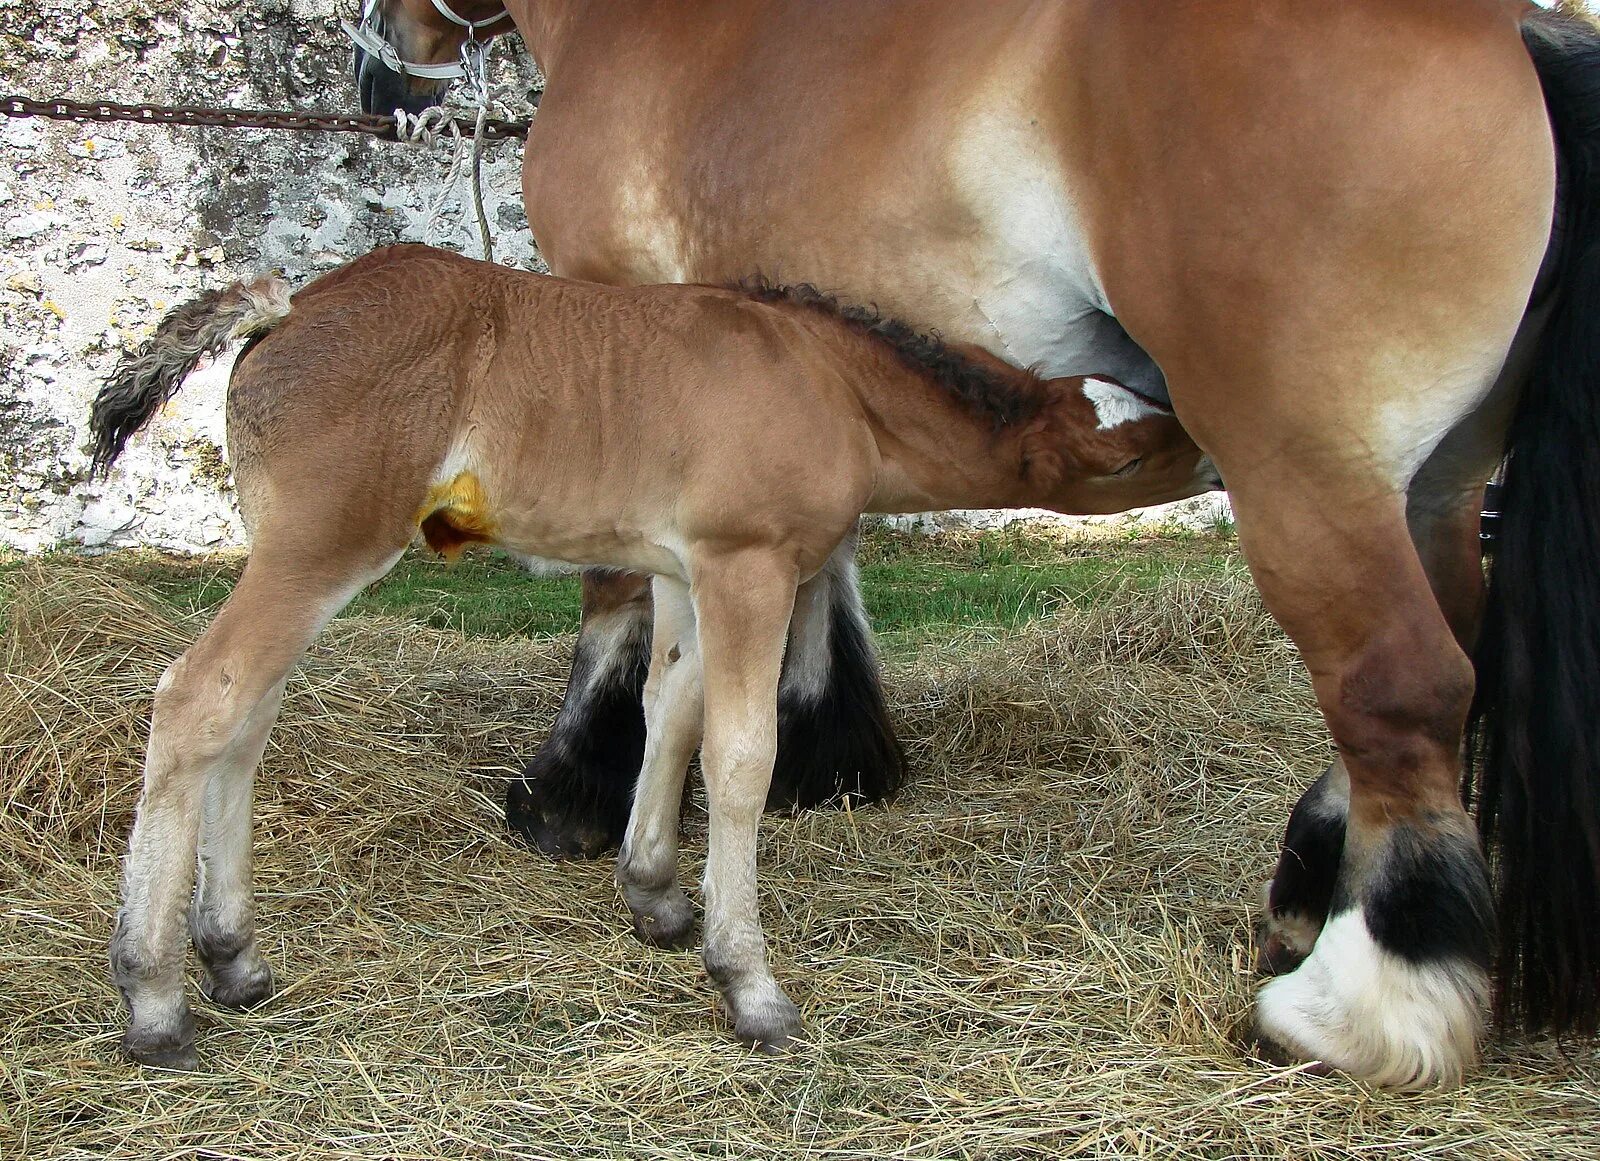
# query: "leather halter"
[366,37]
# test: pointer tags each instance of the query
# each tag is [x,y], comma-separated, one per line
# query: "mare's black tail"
[1536,718]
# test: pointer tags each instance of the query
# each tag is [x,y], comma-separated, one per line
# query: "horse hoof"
[562,821]
[770,1028]
[1386,1020]
[1258,1044]
[239,987]
[1277,956]
[665,932]
[162,1050]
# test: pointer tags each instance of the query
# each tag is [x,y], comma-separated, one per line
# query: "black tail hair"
[1535,726]
[146,378]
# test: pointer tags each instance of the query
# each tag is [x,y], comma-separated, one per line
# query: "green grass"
[917,587]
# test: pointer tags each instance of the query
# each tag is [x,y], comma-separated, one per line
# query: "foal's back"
[592,423]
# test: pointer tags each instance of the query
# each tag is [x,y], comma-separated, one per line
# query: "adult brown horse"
[1331,234]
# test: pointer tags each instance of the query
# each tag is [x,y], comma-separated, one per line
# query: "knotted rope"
[432,126]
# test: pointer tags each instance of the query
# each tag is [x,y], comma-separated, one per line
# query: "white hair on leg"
[1391,1021]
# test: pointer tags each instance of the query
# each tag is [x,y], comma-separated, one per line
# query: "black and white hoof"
[1395,991]
[834,736]
[572,799]
[1355,1006]
[1298,898]
[565,813]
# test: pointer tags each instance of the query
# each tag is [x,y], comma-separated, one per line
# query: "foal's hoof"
[668,932]
[162,1050]
[239,985]
[770,1027]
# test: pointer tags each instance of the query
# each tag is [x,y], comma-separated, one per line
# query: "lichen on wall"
[105,226]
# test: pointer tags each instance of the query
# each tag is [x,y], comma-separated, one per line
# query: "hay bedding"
[1041,949]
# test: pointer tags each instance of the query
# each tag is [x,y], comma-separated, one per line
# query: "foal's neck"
[939,451]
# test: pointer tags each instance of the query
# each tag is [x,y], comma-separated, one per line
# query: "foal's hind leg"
[674,708]
[213,708]
[222,915]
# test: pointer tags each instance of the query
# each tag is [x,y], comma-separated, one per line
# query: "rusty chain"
[377,125]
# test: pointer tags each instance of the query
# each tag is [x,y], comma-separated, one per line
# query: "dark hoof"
[233,988]
[665,934]
[585,827]
[1259,1045]
[176,1052]
[772,1028]
[767,1041]
[1275,956]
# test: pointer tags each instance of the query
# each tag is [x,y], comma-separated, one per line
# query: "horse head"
[408,51]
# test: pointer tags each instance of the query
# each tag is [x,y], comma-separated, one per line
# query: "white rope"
[431,127]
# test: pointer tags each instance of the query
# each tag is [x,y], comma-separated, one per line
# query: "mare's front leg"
[743,602]
[674,707]
[1395,985]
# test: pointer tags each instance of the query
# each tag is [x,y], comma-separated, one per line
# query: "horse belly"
[1037,291]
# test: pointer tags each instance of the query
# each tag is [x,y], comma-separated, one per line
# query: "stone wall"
[102,227]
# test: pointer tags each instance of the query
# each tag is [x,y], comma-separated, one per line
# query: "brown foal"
[723,440]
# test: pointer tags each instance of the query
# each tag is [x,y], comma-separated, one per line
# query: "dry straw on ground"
[1042,948]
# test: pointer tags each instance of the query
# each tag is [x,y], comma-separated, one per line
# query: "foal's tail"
[1536,718]
[146,378]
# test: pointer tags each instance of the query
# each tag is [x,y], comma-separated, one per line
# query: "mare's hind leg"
[1444,506]
[213,708]
[1443,516]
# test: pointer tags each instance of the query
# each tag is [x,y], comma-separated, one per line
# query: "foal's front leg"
[674,708]
[743,603]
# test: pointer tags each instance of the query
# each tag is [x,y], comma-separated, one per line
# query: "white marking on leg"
[1374,1014]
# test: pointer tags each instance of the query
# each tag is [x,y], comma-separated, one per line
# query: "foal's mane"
[999,392]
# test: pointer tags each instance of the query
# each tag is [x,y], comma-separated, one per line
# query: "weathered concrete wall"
[103,227]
